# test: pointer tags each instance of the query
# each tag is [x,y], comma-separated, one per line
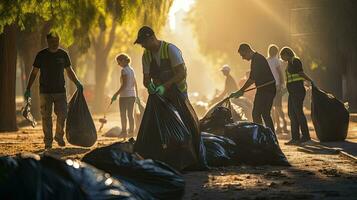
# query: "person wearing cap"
[163,66]
[261,75]
[230,84]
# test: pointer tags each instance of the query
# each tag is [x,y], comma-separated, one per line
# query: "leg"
[60,101]
[266,110]
[122,108]
[301,117]
[130,109]
[293,119]
[257,108]
[46,102]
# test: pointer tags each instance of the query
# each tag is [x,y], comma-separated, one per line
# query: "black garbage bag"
[163,135]
[80,128]
[329,116]
[26,113]
[50,178]
[218,116]
[190,119]
[256,144]
[154,177]
[220,150]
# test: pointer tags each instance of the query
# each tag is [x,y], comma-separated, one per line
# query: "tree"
[64,16]
[7,78]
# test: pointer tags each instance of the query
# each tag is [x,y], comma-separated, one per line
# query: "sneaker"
[292,142]
[60,142]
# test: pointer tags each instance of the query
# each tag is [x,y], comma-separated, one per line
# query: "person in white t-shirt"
[127,94]
[275,65]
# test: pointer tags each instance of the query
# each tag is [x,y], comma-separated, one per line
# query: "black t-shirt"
[259,70]
[51,67]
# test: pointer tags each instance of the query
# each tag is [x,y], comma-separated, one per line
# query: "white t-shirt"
[175,57]
[129,90]
[275,64]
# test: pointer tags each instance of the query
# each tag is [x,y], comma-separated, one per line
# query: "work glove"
[27,94]
[160,90]
[79,86]
[237,94]
[151,88]
[114,97]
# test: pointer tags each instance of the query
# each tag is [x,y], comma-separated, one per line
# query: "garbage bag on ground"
[218,116]
[80,128]
[155,177]
[220,150]
[164,136]
[329,116]
[113,132]
[256,144]
[50,178]
[26,113]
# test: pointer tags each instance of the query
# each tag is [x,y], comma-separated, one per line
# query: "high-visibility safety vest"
[293,77]
[163,72]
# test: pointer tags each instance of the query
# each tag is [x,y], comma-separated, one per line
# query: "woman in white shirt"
[275,65]
[127,94]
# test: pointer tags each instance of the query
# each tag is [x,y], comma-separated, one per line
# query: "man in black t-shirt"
[52,62]
[260,74]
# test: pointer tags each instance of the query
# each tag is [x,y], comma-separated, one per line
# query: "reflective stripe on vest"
[293,77]
[164,54]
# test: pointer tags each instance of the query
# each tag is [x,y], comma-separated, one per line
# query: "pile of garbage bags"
[156,178]
[117,174]
[51,178]
[329,116]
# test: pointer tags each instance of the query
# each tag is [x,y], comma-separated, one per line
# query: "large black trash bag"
[163,135]
[218,116]
[256,144]
[80,128]
[329,116]
[154,177]
[50,178]
[220,151]
[190,119]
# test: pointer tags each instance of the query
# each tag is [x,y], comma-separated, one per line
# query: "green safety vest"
[164,71]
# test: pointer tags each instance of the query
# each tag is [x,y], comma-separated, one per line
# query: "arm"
[180,75]
[305,76]
[72,75]
[281,75]
[146,80]
[136,88]
[246,85]
[32,78]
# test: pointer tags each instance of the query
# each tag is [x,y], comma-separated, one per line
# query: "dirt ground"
[317,172]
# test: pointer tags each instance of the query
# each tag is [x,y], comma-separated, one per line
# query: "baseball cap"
[144,33]
[226,68]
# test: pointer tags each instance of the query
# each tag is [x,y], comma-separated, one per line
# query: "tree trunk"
[102,50]
[8,56]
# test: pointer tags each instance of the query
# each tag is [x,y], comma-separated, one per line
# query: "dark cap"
[144,33]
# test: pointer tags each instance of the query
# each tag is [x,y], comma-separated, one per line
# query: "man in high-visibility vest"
[163,66]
